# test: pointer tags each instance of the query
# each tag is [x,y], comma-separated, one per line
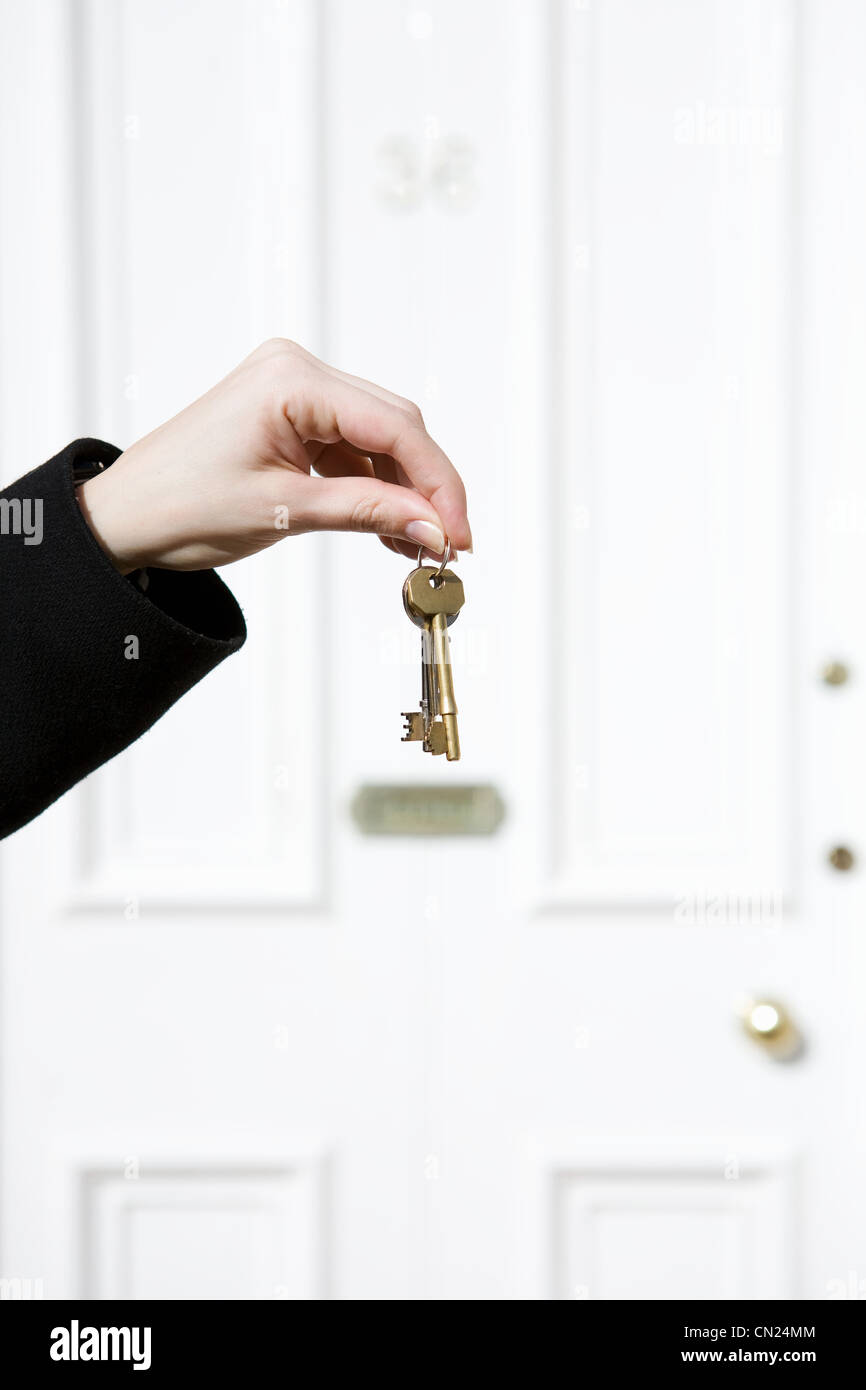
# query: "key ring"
[443,566]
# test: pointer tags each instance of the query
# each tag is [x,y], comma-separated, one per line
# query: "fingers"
[340,461]
[329,408]
[360,381]
[366,504]
[411,552]
[344,460]
[386,469]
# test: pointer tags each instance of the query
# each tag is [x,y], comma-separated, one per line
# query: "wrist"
[98,503]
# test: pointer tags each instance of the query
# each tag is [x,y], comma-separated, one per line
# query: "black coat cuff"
[88,661]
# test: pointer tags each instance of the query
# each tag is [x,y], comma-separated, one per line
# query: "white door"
[249,1048]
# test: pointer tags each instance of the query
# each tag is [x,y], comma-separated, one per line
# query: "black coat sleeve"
[88,661]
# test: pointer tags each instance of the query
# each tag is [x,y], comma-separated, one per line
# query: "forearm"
[88,661]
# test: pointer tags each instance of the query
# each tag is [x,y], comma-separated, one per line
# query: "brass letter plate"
[403,809]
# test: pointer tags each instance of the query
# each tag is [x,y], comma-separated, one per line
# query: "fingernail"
[424,533]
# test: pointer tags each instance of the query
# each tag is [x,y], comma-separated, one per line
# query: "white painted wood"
[670,756]
[215,1227]
[185,244]
[615,254]
[700,1221]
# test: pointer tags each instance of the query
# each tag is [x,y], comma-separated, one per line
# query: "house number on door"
[441,168]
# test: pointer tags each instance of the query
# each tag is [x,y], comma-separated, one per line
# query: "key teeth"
[434,741]
[411,730]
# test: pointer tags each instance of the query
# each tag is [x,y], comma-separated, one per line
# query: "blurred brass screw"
[768,1022]
[835,673]
[841,858]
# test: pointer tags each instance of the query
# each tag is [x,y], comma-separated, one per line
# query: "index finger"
[377,426]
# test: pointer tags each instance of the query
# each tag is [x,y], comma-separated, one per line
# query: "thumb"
[367,504]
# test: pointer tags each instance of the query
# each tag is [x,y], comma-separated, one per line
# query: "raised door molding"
[666,610]
[240,225]
[206,1222]
[668,1220]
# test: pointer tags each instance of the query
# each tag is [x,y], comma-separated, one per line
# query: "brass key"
[434,729]
[421,724]
[432,599]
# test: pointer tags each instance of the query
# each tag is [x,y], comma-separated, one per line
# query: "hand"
[231,474]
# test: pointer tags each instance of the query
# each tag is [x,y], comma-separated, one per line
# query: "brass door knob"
[842,858]
[835,673]
[768,1022]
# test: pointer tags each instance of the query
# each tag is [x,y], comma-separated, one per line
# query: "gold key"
[424,725]
[432,599]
